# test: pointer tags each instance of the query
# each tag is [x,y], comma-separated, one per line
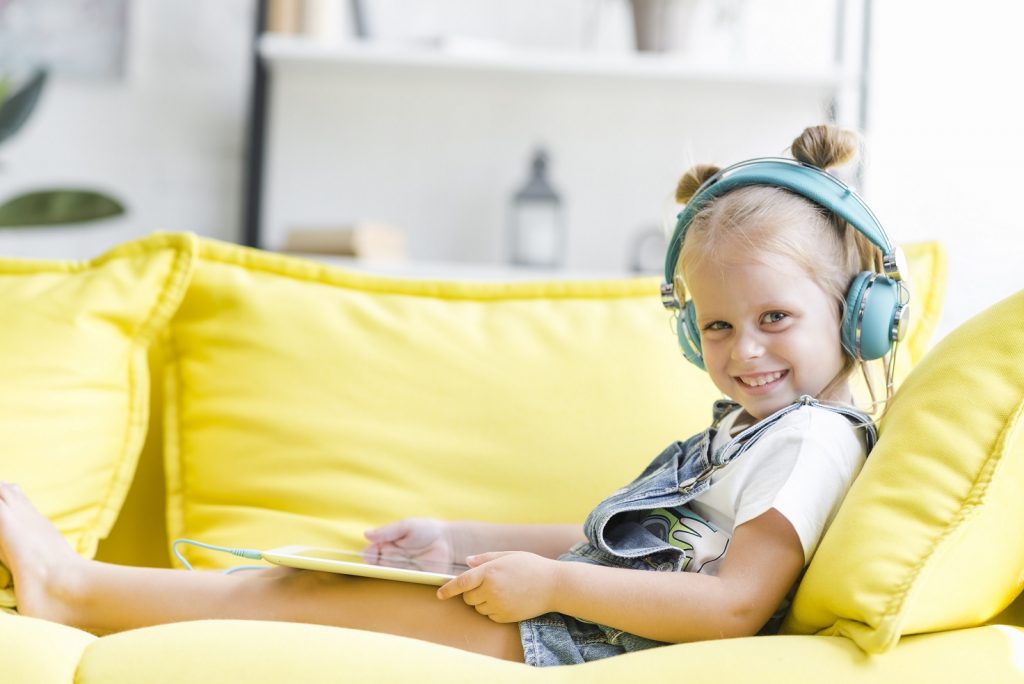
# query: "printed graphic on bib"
[701,542]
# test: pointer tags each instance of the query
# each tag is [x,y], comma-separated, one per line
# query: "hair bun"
[825,146]
[692,180]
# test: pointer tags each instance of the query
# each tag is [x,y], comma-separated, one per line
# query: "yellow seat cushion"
[36,650]
[257,651]
[928,538]
[74,395]
[306,403]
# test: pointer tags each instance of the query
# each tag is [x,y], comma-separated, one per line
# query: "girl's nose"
[748,345]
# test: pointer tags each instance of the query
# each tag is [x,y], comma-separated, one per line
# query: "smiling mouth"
[761,379]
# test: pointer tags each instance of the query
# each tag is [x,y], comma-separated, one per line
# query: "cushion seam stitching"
[231,255]
[139,406]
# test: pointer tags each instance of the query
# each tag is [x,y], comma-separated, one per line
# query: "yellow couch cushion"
[254,651]
[928,538]
[74,390]
[306,403]
[258,652]
[35,650]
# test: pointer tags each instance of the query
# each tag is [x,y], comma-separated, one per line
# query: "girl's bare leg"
[51,581]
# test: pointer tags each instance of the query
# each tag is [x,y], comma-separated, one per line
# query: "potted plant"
[50,206]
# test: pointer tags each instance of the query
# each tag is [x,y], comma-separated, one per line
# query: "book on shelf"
[284,16]
[369,241]
[327,20]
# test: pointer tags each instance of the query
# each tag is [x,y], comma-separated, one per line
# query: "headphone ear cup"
[689,336]
[848,332]
[872,305]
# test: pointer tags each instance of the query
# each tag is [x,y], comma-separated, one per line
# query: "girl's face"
[768,333]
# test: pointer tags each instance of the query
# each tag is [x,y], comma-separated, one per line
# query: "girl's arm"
[550,540]
[453,541]
[765,558]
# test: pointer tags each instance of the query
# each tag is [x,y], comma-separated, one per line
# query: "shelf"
[278,50]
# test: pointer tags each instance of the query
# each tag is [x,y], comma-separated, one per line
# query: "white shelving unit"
[293,52]
[435,139]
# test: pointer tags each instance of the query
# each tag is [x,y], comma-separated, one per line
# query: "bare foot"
[41,562]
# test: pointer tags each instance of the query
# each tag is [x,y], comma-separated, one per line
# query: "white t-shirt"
[802,467]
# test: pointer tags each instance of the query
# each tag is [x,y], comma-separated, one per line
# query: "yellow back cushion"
[928,537]
[74,393]
[306,403]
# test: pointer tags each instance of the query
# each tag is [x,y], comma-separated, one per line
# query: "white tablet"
[353,563]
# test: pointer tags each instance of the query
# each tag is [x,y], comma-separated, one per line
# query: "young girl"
[706,543]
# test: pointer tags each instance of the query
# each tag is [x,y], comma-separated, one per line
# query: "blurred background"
[496,138]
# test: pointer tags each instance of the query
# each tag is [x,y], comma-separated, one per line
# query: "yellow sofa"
[181,387]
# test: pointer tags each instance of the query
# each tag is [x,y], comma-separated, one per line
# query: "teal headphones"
[876,304]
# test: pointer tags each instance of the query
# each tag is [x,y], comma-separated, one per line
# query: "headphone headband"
[803,179]
[875,310]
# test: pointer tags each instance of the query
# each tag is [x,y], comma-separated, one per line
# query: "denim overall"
[680,473]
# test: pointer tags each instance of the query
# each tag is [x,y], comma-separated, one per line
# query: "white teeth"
[761,379]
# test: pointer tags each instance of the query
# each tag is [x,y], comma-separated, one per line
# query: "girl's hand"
[506,586]
[416,539]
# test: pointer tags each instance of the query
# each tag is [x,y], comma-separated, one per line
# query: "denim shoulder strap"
[855,416]
[741,442]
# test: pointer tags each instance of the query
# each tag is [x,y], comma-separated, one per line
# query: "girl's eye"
[773,317]
[717,325]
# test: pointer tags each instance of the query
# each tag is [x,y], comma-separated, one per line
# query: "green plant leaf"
[15,110]
[57,207]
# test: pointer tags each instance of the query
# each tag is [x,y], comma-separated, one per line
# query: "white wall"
[167,139]
[439,152]
[947,141]
[944,148]
[440,155]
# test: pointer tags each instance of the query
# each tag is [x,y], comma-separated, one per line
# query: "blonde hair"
[770,220]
